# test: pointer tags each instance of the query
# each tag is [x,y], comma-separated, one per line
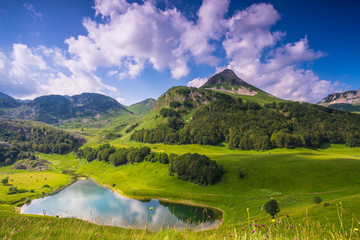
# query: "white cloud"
[30,8]
[131,36]
[2,61]
[197,82]
[112,73]
[250,40]
[135,34]
[29,73]
[120,100]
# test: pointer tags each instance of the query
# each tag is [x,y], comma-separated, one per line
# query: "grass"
[292,177]
[30,181]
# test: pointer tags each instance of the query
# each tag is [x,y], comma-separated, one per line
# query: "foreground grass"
[292,177]
[39,227]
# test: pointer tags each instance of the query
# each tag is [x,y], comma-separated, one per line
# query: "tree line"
[247,125]
[194,168]
[20,139]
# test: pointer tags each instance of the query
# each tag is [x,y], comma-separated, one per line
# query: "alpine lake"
[89,201]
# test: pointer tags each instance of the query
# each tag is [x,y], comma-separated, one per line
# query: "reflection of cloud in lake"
[89,201]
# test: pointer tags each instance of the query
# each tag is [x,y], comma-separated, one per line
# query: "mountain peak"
[228,81]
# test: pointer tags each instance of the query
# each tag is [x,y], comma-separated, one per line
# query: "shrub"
[5,181]
[132,127]
[240,173]
[317,199]
[168,112]
[326,204]
[46,186]
[28,200]
[175,104]
[32,190]
[272,207]
[12,190]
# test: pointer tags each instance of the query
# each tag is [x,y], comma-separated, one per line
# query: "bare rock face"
[350,97]
[33,165]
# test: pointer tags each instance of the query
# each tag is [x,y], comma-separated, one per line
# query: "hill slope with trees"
[198,116]
[19,139]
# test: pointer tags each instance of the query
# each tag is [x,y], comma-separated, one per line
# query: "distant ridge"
[347,101]
[143,107]
[7,101]
[56,108]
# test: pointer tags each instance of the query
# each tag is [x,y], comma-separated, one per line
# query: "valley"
[267,148]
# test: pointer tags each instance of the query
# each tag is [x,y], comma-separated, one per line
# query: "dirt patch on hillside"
[240,91]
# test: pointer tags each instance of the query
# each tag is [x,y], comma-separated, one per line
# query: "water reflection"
[87,200]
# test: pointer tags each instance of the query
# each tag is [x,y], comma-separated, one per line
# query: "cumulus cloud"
[28,73]
[131,36]
[254,54]
[197,82]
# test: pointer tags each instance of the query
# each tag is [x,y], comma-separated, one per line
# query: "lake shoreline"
[117,191]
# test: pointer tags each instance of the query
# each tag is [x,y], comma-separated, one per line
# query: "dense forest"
[18,139]
[247,125]
[194,168]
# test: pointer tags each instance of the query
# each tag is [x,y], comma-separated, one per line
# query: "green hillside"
[213,119]
[345,107]
[264,148]
[142,108]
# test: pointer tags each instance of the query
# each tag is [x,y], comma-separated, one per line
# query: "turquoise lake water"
[87,200]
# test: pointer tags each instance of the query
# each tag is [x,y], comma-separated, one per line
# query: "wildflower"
[255,220]
[263,225]
[255,225]
[229,232]
[230,235]
[253,231]
[292,226]
[356,229]
[273,220]
[151,208]
[287,216]
[243,229]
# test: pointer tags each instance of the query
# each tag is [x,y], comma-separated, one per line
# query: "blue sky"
[131,50]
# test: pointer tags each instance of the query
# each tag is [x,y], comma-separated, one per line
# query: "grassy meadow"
[292,177]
